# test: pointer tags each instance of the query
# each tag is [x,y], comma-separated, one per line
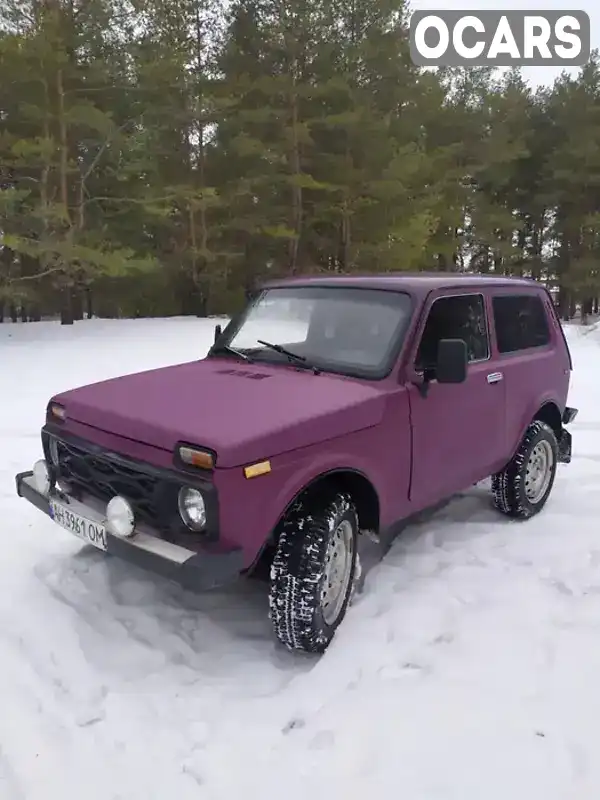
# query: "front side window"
[520,322]
[347,330]
[455,317]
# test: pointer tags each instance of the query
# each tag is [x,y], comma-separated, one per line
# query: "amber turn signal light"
[254,470]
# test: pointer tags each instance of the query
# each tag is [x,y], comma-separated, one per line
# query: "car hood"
[242,412]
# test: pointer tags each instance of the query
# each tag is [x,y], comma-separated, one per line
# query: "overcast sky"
[536,75]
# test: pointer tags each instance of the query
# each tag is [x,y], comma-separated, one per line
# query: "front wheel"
[313,571]
[522,488]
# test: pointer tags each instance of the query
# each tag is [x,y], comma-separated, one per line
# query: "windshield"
[348,330]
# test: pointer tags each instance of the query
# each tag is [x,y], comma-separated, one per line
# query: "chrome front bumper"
[211,567]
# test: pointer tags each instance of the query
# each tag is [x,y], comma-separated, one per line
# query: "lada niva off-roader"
[328,407]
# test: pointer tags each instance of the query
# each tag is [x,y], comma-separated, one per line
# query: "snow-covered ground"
[467,670]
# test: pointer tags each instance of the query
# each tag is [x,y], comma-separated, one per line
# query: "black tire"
[510,486]
[298,571]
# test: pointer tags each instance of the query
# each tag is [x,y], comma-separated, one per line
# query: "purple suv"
[329,407]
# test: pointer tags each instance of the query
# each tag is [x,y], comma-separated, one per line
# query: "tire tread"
[507,485]
[297,570]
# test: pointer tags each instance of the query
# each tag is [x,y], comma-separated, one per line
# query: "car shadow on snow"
[112,599]
[116,604]
[451,521]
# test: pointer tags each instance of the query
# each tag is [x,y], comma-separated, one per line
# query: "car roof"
[414,282]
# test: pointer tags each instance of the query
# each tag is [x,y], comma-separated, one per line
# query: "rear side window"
[521,322]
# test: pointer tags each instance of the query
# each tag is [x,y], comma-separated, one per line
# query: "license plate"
[91,532]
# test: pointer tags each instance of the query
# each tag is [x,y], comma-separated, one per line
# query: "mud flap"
[565,447]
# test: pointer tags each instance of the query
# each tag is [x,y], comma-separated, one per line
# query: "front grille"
[153,498]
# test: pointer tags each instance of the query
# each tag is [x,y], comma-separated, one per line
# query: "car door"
[458,430]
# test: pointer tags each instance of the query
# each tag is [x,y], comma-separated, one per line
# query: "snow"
[466,670]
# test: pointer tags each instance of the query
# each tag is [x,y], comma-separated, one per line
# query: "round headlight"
[41,476]
[120,518]
[192,508]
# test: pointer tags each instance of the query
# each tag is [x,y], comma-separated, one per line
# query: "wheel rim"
[538,473]
[338,566]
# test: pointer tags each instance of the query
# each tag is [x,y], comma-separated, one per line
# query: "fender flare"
[548,402]
[306,480]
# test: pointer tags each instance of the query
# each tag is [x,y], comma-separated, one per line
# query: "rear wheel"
[522,488]
[314,570]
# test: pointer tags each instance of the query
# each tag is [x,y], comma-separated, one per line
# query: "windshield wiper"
[225,348]
[291,356]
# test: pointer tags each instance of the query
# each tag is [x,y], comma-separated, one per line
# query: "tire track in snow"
[11,787]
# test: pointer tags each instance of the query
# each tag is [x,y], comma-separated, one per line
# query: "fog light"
[120,518]
[41,476]
[192,508]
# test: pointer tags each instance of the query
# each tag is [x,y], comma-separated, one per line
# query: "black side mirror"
[218,331]
[452,361]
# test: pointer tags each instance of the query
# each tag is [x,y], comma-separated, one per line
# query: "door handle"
[495,377]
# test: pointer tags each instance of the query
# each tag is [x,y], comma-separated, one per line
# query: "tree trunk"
[66,307]
[13,312]
[89,302]
[201,302]
[563,304]
[64,147]
[294,159]
[66,313]
[77,305]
